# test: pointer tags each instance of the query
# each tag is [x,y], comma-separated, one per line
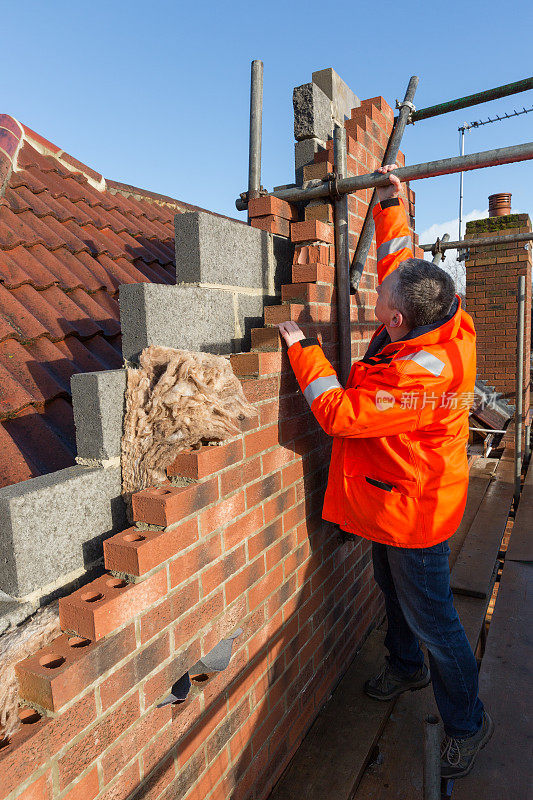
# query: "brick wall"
[491,297]
[233,539]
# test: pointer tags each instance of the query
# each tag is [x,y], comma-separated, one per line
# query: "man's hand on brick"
[290,332]
[393,190]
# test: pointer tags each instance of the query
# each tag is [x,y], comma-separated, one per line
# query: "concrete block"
[54,525]
[312,112]
[249,315]
[304,154]
[215,250]
[341,96]
[186,317]
[98,402]
[13,612]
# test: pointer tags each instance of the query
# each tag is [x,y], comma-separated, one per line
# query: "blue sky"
[156,94]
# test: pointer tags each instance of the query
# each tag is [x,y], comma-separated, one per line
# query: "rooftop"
[68,239]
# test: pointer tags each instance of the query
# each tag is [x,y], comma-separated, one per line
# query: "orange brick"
[239,476]
[222,513]
[168,504]
[311,254]
[241,530]
[264,206]
[259,389]
[102,606]
[288,311]
[266,339]
[242,581]
[265,587]
[219,572]
[271,224]
[138,735]
[312,231]
[259,491]
[191,562]
[162,615]
[205,461]
[133,671]
[136,552]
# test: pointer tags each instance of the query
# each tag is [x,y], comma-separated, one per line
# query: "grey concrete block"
[312,112]
[250,315]
[53,525]
[341,96]
[98,402]
[304,154]
[216,250]
[185,317]
[13,612]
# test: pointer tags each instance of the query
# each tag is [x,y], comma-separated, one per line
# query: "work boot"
[387,684]
[457,755]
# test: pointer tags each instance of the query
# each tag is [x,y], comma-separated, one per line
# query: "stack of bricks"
[491,298]
[272,215]
[233,539]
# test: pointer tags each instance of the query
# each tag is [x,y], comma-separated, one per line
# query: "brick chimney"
[491,297]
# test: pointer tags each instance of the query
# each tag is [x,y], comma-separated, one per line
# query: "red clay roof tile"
[66,245]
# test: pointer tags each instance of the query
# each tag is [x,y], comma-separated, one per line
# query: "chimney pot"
[499,204]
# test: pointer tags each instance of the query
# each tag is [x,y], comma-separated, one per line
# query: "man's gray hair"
[422,291]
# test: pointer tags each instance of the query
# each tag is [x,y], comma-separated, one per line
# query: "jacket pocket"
[382,480]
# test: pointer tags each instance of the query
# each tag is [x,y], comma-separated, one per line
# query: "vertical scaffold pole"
[342,259]
[256,122]
[391,153]
[519,385]
[431,758]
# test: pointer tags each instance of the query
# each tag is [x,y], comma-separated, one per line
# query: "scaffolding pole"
[391,153]
[468,244]
[342,260]
[427,169]
[256,121]
[472,100]
[519,386]
[438,249]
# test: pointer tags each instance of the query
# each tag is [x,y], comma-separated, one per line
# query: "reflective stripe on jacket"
[399,468]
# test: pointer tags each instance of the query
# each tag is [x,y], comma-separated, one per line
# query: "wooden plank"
[472,612]
[503,769]
[479,479]
[332,757]
[521,542]
[473,570]
[398,773]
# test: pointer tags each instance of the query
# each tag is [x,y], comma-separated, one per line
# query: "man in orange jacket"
[399,470]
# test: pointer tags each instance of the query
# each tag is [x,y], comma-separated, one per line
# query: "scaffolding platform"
[361,749]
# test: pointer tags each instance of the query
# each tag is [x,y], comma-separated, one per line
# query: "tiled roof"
[68,239]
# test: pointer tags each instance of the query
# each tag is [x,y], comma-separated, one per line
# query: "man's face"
[383,310]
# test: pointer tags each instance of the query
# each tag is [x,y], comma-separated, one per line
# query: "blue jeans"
[419,603]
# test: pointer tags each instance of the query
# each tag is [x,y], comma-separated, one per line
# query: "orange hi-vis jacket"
[399,468]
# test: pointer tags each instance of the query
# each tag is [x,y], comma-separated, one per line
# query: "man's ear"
[396,319]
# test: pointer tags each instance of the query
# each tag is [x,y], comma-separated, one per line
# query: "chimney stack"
[499,204]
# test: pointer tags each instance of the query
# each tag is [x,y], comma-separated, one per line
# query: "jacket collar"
[440,331]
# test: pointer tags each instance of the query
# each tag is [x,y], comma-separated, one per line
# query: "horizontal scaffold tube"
[472,100]
[465,244]
[429,169]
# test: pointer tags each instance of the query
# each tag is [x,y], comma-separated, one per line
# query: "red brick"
[168,504]
[241,582]
[215,575]
[135,670]
[138,735]
[27,750]
[162,615]
[158,748]
[136,552]
[265,587]
[56,674]
[307,293]
[41,789]
[297,312]
[263,206]
[158,685]
[89,747]
[190,563]
[205,461]
[264,538]
[123,787]
[222,512]
[305,273]
[71,722]
[272,224]
[311,254]
[278,504]
[312,230]
[256,364]
[312,172]
[322,212]
[260,440]
[275,459]
[119,603]
[261,490]
[265,339]
[235,478]
[85,788]
[242,529]
[258,389]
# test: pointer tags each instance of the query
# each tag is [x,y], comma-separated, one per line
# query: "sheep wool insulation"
[177,399]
